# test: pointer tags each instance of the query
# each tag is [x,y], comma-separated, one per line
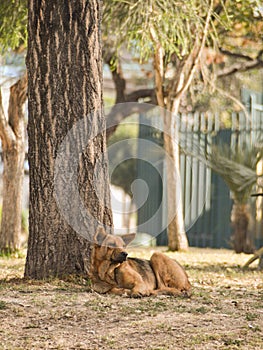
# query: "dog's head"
[110,247]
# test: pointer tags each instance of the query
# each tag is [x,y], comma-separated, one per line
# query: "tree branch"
[199,49]
[18,96]
[158,67]
[235,100]
[235,54]
[117,77]
[6,133]
[123,110]
[134,96]
[240,67]
[250,63]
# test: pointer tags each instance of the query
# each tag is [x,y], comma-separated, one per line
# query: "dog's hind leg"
[170,275]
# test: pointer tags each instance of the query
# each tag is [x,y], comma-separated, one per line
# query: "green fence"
[206,198]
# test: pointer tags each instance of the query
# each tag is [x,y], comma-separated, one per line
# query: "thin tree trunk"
[241,239]
[177,239]
[13,140]
[65,93]
[260,264]
[176,228]
[13,162]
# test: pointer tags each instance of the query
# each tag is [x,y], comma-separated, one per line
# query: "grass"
[3,305]
[224,312]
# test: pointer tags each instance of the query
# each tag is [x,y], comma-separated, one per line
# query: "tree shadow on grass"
[221,267]
[68,284]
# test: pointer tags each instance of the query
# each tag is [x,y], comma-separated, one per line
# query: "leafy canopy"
[13,24]
[176,23]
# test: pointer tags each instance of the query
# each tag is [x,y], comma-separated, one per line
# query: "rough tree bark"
[177,238]
[65,87]
[241,239]
[12,135]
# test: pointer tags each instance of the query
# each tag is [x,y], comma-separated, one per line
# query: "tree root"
[258,255]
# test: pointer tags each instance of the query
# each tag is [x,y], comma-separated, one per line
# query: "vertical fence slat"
[234,128]
[183,142]
[208,200]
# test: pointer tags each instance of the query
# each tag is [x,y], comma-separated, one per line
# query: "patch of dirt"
[224,312]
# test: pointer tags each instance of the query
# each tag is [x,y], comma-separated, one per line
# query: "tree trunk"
[13,139]
[241,239]
[177,239]
[184,73]
[69,186]
[260,264]
[13,161]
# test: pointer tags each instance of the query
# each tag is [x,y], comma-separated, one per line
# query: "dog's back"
[144,268]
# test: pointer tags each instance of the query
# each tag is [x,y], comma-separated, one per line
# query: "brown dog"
[111,270]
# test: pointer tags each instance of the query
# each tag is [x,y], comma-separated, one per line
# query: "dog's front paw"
[186,294]
[138,293]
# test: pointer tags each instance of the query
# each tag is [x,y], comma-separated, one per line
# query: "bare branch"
[250,63]
[123,110]
[158,67]
[235,100]
[117,76]
[240,67]
[235,54]
[18,96]
[134,96]
[6,133]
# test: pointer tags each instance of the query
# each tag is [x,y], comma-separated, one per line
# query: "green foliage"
[142,26]
[13,24]
[16,254]
[3,305]
[245,33]
[176,24]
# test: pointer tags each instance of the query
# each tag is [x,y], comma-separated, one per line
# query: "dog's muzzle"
[120,257]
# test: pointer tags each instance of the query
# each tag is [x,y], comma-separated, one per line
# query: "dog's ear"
[100,235]
[128,238]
